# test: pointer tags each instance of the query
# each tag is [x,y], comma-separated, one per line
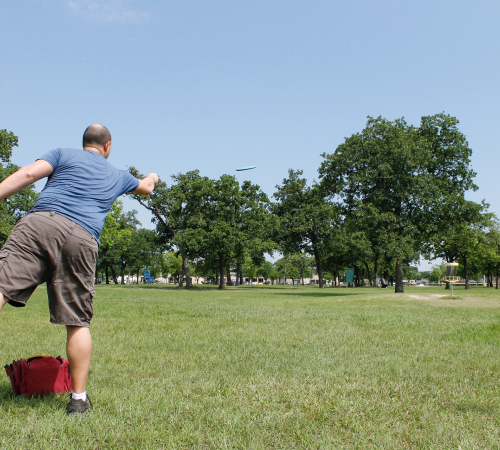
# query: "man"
[57,242]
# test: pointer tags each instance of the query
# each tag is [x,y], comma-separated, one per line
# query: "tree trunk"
[319,270]
[496,282]
[399,276]
[185,270]
[448,274]
[466,273]
[368,273]
[238,274]
[222,283]
[375,271]
[107,274]
[123,267]
[284,276]
[113,272]
[228,275]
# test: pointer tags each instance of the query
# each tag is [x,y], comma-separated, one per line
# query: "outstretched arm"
[27,175]
[147,184]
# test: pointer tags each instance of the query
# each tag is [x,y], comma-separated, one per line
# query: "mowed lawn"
[268,368]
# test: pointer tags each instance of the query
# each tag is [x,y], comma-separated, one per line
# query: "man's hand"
[154,176]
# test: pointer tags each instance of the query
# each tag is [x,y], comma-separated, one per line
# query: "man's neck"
[93,149]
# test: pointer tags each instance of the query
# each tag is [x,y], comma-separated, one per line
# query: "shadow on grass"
[305,291]
[52,401]
[162,287]
[6,392]
[319,293]
[464,408]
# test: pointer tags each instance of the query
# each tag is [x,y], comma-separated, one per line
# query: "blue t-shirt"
[83,187]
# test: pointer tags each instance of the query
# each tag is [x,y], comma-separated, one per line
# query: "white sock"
[82,396]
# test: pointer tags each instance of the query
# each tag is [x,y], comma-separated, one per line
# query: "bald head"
[96,135]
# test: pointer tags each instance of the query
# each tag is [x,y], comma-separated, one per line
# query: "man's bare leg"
[3,300]
[79,352]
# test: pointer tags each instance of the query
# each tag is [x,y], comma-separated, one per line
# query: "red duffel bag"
[39,375]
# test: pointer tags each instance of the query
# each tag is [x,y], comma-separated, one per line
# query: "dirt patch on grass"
[456,300]
[427,296]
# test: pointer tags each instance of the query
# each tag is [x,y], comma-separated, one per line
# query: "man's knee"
[77,330]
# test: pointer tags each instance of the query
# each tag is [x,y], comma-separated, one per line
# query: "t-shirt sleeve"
[130,183]
[52,157]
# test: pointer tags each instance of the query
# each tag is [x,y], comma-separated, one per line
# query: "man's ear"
[107,147]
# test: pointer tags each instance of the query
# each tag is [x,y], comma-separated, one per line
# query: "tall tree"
[265,270]
[179,213]
[144,245]
[400,174]
[288,269]
[305,219]
[459,232]
[488,256]
[115,239]
[238,223]
[303,264]
[172,264]
[249,269]
[215,220]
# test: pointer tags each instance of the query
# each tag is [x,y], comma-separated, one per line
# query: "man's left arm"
[25,176]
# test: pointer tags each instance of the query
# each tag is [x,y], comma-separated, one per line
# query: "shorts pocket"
[3,259]
[89,305]
[86,259]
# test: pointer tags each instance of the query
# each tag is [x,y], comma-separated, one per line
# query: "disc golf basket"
[451,275]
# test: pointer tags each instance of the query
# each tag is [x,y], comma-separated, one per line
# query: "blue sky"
[216,85]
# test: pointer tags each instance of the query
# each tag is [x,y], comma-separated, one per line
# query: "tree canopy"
[398,176]
[306,218]
[386,196]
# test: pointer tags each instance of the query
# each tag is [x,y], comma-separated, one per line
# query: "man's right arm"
[25,176]
[147,184]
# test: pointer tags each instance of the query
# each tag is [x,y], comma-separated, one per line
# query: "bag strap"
[32,357]
[60,361]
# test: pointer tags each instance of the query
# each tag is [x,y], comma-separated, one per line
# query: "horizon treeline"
[385,197]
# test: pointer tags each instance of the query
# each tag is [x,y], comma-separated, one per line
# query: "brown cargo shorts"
[45,247]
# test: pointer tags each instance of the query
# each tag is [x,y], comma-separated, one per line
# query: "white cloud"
[107,10]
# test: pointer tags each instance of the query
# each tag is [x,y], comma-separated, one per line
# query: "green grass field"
[268,368]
